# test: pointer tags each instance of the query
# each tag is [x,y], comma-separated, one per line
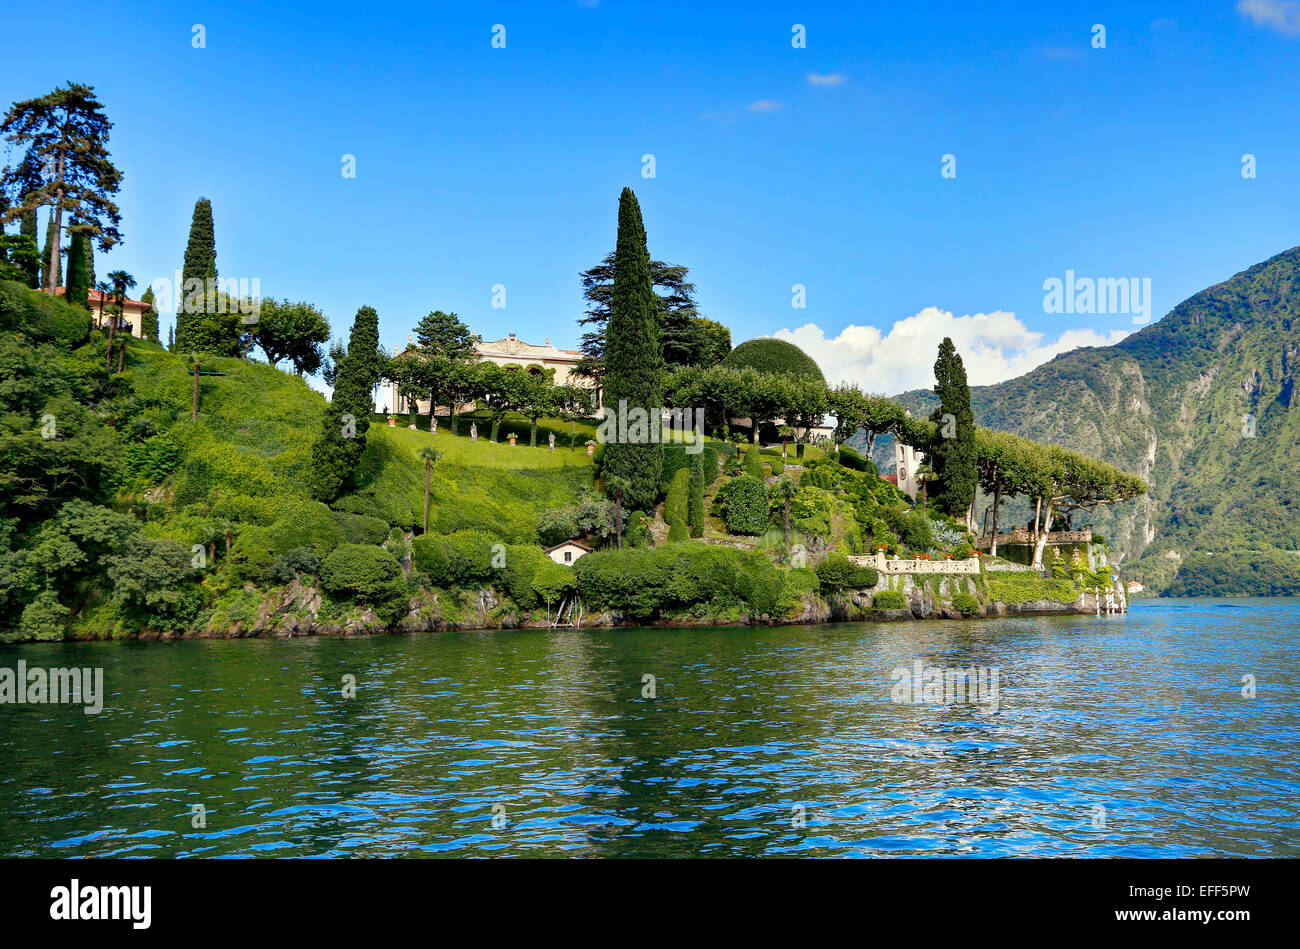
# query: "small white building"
[567,552]
[906,460]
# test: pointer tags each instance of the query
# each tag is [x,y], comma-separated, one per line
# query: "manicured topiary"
[362,572]
[773,355]
[746,506]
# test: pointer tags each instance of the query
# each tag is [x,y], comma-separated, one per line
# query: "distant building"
[567,552]
[906,460]
[132,318]
[1135,587]
[510,350]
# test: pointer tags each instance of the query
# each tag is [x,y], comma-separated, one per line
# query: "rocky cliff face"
[1201,404]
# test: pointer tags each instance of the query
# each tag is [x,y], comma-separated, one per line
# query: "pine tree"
[347,418]
[952,454]
[695,507]
[200,261]
[633,359]
[79,281]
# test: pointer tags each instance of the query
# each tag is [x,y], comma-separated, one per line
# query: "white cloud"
[764,105]
[994,347]
[826,79]
[1280,15]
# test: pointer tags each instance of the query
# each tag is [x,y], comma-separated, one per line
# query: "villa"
[132,318]
[510,350]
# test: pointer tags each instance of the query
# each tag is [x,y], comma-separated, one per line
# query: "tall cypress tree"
[47,254]
[200,260]
[149,319]
[952,455]
[28,228]
[79,281]
[342,441]
[634,360]
[695,504]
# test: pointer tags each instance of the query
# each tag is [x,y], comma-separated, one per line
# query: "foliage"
[769,355]
[347,419]
[746,506]
[888,600]
[633,355]
[292,331]
[363,572]
[965,604]
[697,577]
[837,573]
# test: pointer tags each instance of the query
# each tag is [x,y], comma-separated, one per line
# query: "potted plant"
[591,447]
[512,437]
[392,422]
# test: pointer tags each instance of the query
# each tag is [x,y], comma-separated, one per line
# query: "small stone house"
[567,552]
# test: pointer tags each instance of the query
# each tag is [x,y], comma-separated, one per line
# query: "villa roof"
[570,543]
[94,296]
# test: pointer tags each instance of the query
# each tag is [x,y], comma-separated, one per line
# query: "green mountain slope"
[1201,405]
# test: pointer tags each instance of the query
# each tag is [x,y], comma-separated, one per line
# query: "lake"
[1113,736]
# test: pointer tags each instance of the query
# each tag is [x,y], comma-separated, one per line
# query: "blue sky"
[774,165]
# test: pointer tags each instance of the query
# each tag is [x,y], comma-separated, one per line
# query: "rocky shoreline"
[295,611]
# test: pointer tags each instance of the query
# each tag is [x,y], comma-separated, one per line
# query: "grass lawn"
[461,450]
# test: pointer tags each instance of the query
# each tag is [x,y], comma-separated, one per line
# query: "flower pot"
[512,439]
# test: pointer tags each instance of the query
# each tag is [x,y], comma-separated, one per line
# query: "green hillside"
[1173,403]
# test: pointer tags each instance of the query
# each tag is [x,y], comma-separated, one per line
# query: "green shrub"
[522,563]
[360,529]
[746,506]
[777,466]
[471,556]
[837,573]
[753,463]
[965,604]
[362,572]
[637,529]
[889,600]
[820,477]
[677,504]
[854,462]
[429,555]
[707,580]
[286,567]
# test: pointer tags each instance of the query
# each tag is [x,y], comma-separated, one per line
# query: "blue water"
[1113,736]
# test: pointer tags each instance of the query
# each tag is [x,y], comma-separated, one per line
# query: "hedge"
[889,600]
[837,573]
[746,505]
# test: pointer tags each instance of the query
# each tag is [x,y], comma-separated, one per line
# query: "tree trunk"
[427,466]
[227,545]
[532,434]
[121,355]
[111,327]
[194,404]
[997,501]
[787,522]
[1038,510]
[618,517]
[1041,542]
[58,233]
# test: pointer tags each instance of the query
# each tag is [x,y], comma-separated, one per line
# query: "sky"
[919,170]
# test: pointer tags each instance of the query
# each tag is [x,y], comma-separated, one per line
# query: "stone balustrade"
[899,565]
[1022,536]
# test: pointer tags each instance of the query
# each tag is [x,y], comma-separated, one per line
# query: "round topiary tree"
[774,355]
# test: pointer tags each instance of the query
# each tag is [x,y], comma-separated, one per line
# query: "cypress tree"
[952,455]
[200,261]
[78,290]
[28,228]
[695,507]
[45,260]
[171,339]
[342,441]
[634,359]
[149,319]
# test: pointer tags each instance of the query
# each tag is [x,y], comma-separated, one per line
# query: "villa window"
[568,556]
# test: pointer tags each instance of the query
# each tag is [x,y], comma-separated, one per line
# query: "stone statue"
[473,431]
[433,424]
[550,440]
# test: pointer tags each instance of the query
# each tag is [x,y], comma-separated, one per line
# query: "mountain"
[1202,405]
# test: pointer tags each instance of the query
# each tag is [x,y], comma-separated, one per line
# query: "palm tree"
[122,282]
[618,484]
[785,489]
[228,529]
[430,456]
[924,473]
[208,534]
